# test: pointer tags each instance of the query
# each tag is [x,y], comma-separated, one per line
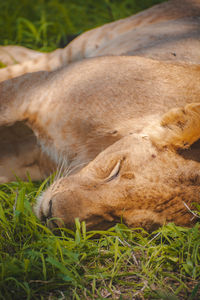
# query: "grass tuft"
[121,263]
[47,25]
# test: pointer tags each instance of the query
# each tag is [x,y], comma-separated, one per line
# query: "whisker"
[73,168]
[61,165]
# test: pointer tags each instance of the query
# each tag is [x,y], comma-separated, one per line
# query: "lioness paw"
[179,128]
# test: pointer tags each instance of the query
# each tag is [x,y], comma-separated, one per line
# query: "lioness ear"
[179,128]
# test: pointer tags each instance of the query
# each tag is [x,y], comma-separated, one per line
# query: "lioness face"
[131,181]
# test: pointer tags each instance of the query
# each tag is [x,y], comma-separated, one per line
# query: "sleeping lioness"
[126,103]
[117,105]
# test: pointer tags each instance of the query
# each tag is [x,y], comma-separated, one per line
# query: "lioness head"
[133,181]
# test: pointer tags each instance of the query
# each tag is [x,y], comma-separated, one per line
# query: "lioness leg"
[180,127]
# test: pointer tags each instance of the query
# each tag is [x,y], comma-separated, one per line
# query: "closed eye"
[114,173]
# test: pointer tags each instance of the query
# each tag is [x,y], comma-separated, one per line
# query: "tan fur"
[10,55]
[152,187]
[152,38]
[145,184]
[20,155]
[168,31]
[180,128]
[118,102]
[123,97]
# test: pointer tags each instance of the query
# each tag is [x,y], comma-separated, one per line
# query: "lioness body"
[123,97]
[10,55]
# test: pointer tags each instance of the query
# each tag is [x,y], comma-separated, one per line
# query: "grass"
[47,24]
[121,263]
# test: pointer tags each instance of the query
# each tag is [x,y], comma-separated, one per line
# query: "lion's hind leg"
[179,128]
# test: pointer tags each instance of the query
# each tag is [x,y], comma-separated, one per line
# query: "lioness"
[141,177]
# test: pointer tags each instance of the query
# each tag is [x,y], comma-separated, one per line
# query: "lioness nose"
[47,219]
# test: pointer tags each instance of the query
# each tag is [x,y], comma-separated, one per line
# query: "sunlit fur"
[86,114]
[139,114]
[168,31]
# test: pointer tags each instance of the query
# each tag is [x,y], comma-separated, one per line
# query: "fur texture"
[120,103]
[139,114]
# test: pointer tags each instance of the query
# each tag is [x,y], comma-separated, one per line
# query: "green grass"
[121,263]
[48,24]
